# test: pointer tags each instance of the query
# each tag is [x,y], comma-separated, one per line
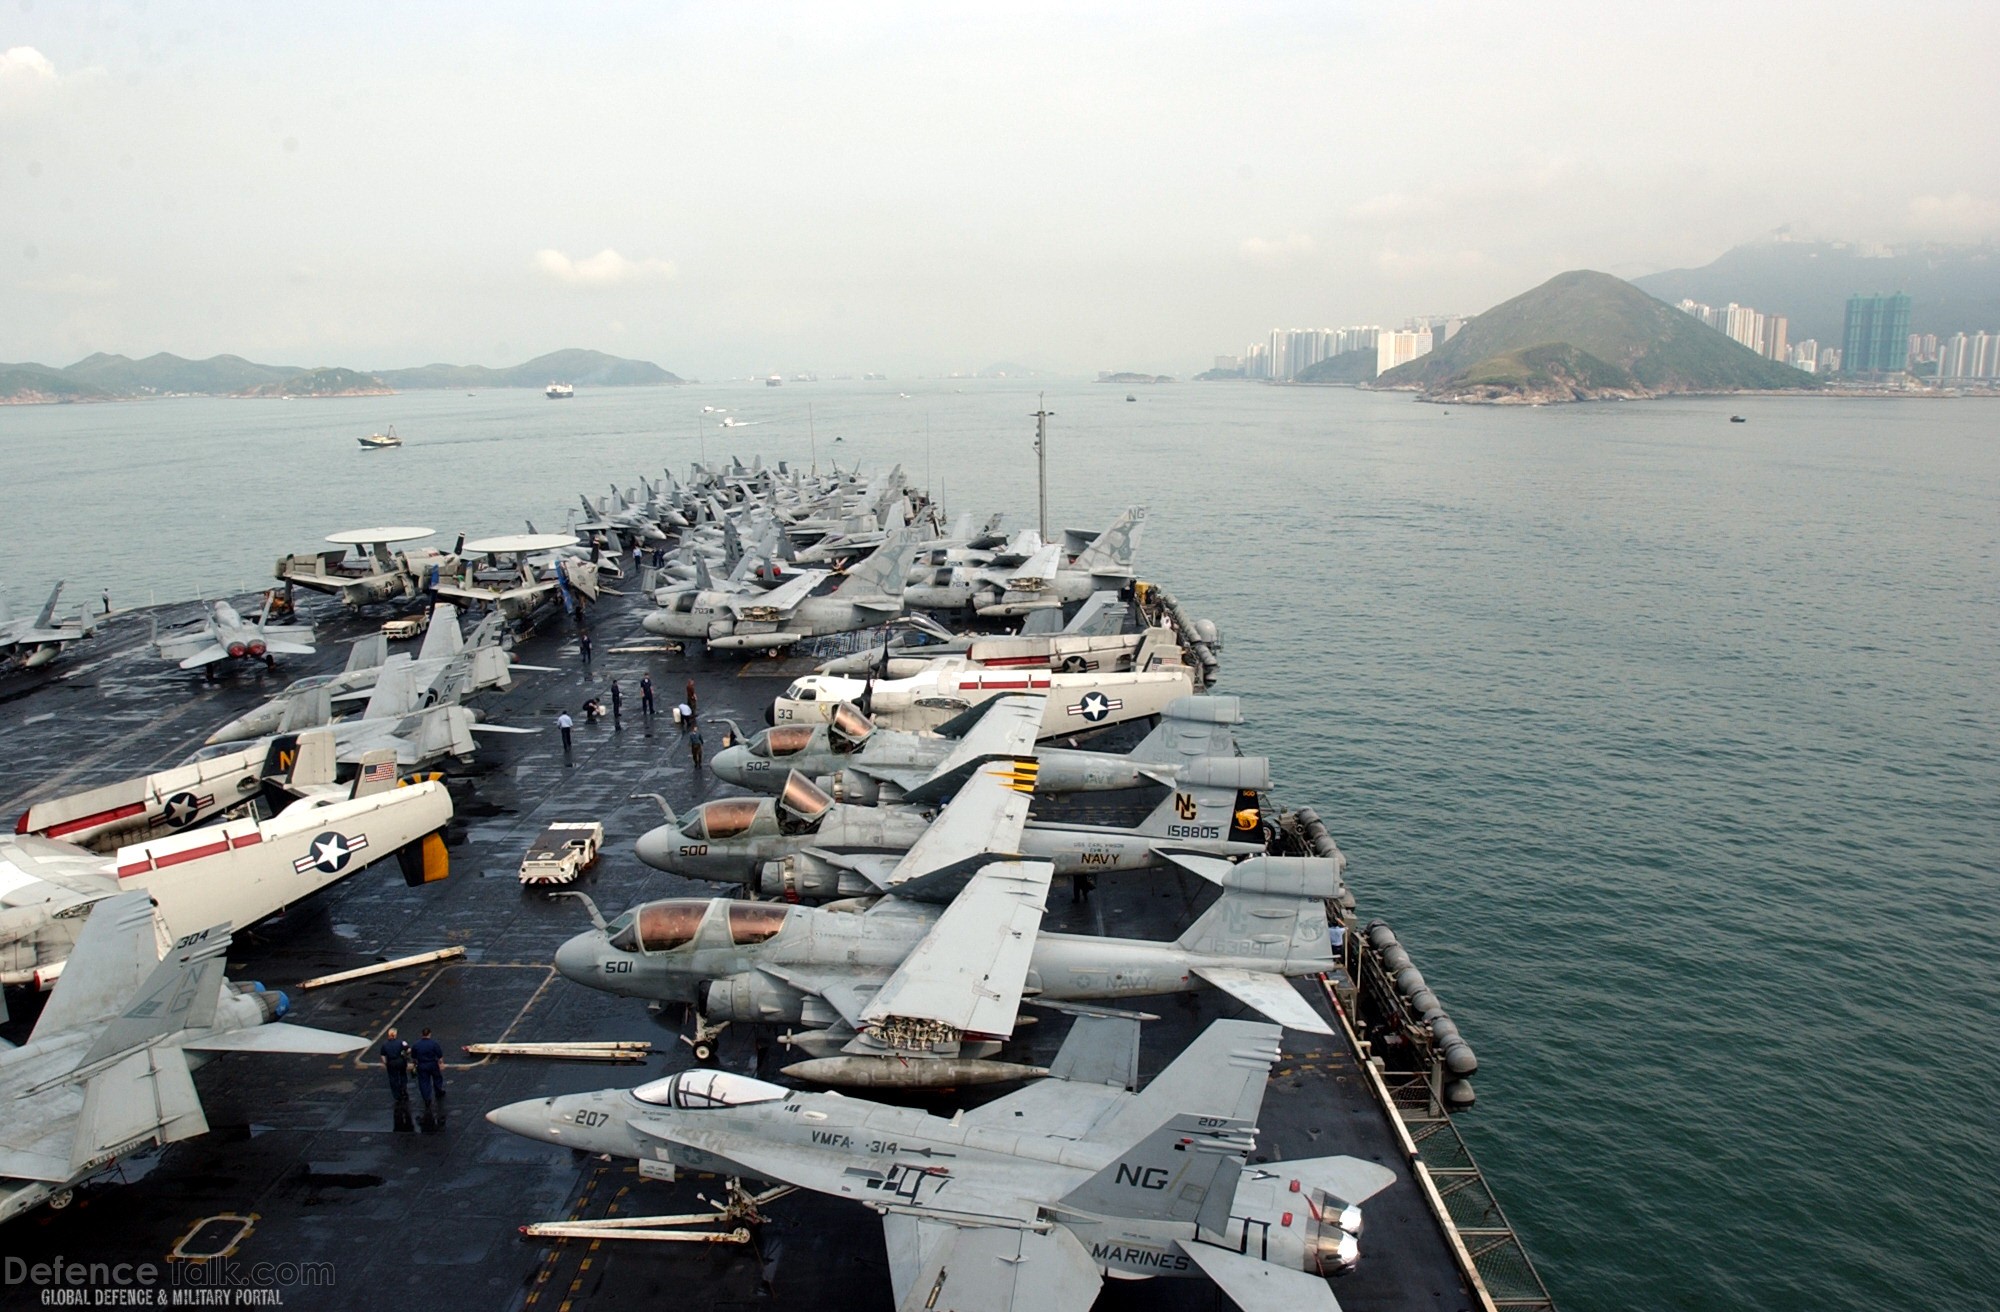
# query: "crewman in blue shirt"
[429,1054]
[396,1065]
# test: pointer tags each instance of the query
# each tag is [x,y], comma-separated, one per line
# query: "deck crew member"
[429,1055]
[564,723]
[396,1065]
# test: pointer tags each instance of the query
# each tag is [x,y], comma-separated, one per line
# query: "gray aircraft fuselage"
[705,616]
[784,864]
[909,1160]
[731,973]
[887,752]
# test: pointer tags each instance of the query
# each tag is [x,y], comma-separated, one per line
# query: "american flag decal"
[378,772]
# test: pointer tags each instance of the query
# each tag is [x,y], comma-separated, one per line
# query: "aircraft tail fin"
[1190,728]
[395,690]
[883,573]
[1257,897]
[304,760]
[1220,1075]
[307,710]
[48,615]
[702,578]
[377,772]
[369,650]
[442,640]
[1214,800]
[181,992]
[117,949]
[1185,1170]
[1111,554]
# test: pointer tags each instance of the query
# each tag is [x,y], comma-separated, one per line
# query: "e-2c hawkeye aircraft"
[109,1067]
[1027,1203]
[366,569]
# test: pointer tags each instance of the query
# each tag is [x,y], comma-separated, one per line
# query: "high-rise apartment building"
[1876,339]
[1392,349]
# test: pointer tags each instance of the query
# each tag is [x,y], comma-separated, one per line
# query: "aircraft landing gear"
[61,1199]
[704,1038]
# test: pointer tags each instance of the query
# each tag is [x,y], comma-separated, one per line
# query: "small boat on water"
[1738,419]
[380,441]
[560,392]
[1130,397]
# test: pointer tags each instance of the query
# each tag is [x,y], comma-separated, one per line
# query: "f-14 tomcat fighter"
[236,872]
[108,1069]
[1030,1201]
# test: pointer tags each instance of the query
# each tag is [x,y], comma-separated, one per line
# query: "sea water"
[1666,743]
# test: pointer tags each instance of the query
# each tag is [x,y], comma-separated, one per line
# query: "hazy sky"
[743,188]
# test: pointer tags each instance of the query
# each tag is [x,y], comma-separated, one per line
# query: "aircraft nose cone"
[657,622]
[529,1119]
[578,959]
[656,847]
[728,764]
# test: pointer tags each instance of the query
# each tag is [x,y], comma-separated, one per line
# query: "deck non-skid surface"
[308,1148]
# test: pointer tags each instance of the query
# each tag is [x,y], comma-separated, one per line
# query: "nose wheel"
[706,1034]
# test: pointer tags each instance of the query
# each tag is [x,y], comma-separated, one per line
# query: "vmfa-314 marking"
[1029,1201]
[236,872]
[750,618]
[108,1069]
[823,969]
[858,762]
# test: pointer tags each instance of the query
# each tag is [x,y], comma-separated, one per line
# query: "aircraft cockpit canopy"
[802,804]
[658,926]
[785,740]
[850,727]
[721,819]
[702,1089]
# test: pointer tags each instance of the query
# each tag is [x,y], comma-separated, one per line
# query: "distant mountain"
[576,367]
[1952,288]
[1134,378]
[104,377]
[323,382]
[1587,336]
[1348,367]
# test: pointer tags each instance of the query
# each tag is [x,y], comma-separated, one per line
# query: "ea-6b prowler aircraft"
[857,762]
[109,1067]
[803,846]
[757,619]
[225,635]
[1024,1204]
[834,971]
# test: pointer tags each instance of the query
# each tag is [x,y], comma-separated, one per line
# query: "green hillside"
[323,382]
[578,367]
[1585,335]
[119,375]
[103,377]
[1347,368]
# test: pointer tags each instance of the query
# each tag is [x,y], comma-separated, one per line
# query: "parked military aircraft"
[753,619]
[520,574]
[858,762]
[1097,638]
[225,635]
[1077,702]
[366,569]
[803,846]
[1029,1201]
[448,667]
[1048,578]
[837,973]
[109,1067]
[239,871]
[33,643]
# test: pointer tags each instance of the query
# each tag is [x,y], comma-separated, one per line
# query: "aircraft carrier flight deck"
[306,1173]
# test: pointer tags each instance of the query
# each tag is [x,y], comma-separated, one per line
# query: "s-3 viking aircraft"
[109,1067]
[1027,1203]
[225,635]
[318,833]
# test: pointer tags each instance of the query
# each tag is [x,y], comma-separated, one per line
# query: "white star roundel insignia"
[330,852]
[182,808]
[1095,706]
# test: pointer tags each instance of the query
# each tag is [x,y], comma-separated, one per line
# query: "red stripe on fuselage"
[191,854]
[89,821]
